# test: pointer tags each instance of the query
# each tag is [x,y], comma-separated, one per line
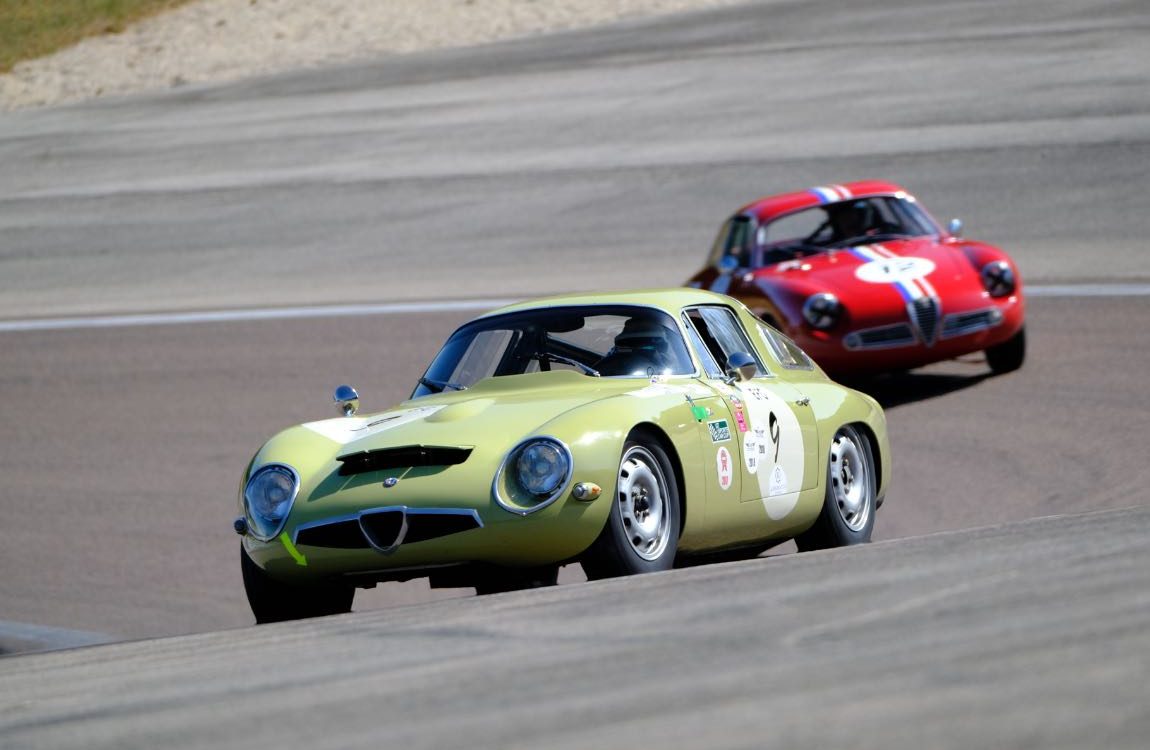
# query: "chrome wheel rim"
[642,502]
[850,478]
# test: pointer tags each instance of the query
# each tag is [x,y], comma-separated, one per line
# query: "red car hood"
[883,275]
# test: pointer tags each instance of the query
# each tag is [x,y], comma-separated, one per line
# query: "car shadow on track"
[898,389]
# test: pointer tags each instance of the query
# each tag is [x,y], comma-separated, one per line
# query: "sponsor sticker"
[723,463]
[755,449]
[778,482]
[720,431]
[740,418]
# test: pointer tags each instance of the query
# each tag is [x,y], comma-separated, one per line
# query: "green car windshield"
[602,340]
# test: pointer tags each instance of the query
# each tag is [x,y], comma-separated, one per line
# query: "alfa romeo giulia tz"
[626,432]
[866,281]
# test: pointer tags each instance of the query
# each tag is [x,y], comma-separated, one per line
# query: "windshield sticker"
[723,464]
[720,431]
[347,430]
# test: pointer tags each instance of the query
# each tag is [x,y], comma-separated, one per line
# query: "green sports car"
[627,431]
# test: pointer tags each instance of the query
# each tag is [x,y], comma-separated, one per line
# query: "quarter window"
[786,351]
[718,336]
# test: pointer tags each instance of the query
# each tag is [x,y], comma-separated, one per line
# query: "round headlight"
[822,310]
[998,278]
[542,467]
[268,497]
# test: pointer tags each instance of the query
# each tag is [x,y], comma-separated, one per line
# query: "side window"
[735,240]
[786,351]
[796,227]
[720,336]
[710,365]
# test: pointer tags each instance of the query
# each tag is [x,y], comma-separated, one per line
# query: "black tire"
[642,530]
[1009,355]
[273,601]
[850,503]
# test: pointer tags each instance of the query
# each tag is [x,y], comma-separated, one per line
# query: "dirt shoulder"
[222,40]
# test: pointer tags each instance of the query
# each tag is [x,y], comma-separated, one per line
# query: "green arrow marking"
[295,553]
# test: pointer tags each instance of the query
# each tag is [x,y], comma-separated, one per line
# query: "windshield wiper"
[438,386]
[587,370]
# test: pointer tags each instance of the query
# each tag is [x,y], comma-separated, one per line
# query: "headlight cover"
[533,475]
[268,497]
[822,310]
[998,278]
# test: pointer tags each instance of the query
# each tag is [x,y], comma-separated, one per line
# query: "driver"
[641,348]
[848,220]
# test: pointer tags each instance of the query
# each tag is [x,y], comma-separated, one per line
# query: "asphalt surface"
[1013,636]
[598,159]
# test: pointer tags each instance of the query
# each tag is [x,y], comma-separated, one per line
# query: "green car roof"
[671,299]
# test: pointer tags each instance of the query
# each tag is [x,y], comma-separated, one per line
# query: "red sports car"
[866,281]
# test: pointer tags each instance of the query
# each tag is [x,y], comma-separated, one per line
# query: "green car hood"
[491,418]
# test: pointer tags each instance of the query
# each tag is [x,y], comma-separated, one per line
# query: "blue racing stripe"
[903,288]
[825,195]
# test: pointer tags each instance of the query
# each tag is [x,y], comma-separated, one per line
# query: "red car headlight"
[998,278]
[822,310]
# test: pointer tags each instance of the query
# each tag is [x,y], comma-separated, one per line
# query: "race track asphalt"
[599,159]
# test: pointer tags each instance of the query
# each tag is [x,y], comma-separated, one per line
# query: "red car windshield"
[818,229]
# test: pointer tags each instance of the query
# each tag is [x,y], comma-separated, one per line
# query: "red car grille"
[924,313]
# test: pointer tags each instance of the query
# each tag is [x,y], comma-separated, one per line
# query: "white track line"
[231,316]
[410,308]
[23,638]
[1087,290]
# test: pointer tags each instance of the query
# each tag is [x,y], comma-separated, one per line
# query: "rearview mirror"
[740,367]
[346,400]
[727,264]
[955,227]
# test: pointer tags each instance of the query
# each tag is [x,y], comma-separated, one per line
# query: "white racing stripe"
[409,308]
[922,281]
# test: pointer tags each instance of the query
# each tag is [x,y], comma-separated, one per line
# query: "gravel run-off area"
[222,40]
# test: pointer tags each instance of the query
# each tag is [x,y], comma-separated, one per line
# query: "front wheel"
[849,504]
[273,601]
[642,530]
[1009,355]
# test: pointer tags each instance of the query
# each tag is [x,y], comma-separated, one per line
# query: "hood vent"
[408,456]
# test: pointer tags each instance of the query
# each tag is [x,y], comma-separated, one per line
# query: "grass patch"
[34,28]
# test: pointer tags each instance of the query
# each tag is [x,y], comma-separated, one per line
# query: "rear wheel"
[849,505]
[642,530]
[273,601]
[1009,355]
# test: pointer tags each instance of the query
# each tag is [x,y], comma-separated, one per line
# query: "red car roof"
[765,209]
